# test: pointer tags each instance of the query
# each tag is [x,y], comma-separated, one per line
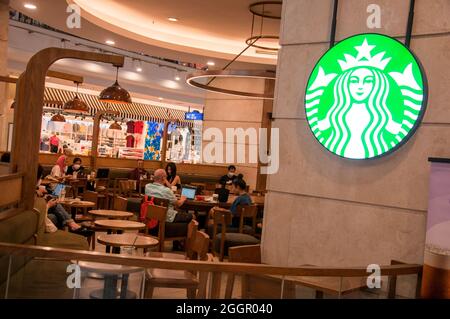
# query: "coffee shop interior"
[185,149]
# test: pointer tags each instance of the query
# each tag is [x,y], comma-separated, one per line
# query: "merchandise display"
[75,133]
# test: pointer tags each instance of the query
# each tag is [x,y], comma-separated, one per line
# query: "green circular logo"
[365,97]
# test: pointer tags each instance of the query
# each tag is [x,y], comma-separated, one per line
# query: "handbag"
[152,222]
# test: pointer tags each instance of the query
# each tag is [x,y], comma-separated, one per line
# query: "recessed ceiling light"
[139,69]
[177,78]
[210,63]
[172,19]
[110,42]
[30,6]
[160,98]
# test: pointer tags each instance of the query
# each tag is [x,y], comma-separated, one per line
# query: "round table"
[113,214]
[119,225]
[74,204]
[134,240]
[111,274]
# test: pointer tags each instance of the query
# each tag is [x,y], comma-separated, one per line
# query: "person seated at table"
[56,212]
[76,168]
[172,178]
[58,172]
[159,190]
[238,188]
[228,178]
[139,172]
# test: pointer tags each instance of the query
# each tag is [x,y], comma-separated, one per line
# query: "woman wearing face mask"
[76,168]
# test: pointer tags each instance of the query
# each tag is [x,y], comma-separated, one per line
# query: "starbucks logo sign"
[365,97]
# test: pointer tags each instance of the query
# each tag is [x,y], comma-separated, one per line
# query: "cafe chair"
[78,187]
[127,188]
[141,186]
[165,231]
[161,201]
[192,229]
[195,284]
[120,203]
[223,239]
[256,286]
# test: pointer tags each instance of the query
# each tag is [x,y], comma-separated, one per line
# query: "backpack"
[151,223]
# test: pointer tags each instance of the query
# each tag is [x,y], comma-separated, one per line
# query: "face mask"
[76,167]
[230,174]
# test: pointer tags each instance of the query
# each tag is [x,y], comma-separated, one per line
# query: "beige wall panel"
[233,110]
[399,179]
[431,16]
[333,233]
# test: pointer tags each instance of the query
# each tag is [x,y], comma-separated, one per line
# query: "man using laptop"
[157,189]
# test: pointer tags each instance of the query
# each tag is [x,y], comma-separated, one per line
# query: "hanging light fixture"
[265,10]
[58,118]
[76,105]
[115,93]
[115,126]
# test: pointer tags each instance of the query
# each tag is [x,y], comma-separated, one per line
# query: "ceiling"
[206,29]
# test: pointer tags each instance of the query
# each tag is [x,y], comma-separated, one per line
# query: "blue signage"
[194,115]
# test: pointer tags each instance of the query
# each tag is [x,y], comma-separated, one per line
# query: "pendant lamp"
[115,126]
[76,105]
[115,93]
[58,118]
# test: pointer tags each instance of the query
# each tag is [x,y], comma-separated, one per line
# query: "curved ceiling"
[206,27]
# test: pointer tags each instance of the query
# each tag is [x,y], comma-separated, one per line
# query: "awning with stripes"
[56,98]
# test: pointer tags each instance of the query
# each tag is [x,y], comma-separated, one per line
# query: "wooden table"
[74,204]
[200,206]
[132,240]
[119,225]
[111,273]
[112,214]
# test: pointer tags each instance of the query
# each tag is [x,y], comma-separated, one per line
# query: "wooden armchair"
[78,187]
[181,278]
[223,239]
[192,229]
[165,229]
[256,286]
[120,203]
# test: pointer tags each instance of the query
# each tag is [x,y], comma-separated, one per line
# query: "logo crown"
[364,58]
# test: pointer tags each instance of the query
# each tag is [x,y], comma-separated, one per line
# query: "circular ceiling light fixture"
[76,105]
[211,63]
[110,42]
[192,78]
[257,9]
[115,93]
[172,19]
[267,9]
[264,10]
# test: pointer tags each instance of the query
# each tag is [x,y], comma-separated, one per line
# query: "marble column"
[327,211]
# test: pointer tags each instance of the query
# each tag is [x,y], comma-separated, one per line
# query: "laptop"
[102,173]
[188,191]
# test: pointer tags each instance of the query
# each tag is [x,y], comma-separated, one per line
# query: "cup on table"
[127,250]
